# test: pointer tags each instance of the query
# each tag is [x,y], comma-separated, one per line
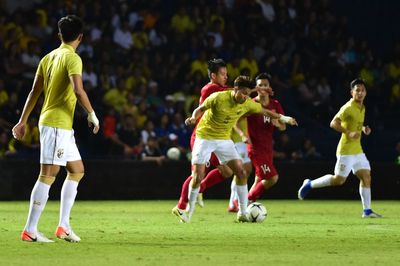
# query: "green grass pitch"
[146,233]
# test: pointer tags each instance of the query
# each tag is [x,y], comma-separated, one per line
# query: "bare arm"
[281,118]
[84,101]
[241,133]
[80,93]
[336,124]
[197,113]
[37,89]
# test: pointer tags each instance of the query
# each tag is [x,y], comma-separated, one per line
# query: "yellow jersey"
[59,97]
[222,114]
[352,116]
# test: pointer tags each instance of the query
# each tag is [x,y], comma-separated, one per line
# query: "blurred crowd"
[145,63]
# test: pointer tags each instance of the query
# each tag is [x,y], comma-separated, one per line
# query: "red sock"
[256,191]
[213,177]
[183,200]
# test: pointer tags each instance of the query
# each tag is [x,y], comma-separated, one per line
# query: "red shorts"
[264,166]
[213,159]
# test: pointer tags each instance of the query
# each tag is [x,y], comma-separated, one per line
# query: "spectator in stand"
[89,75]
[6,150]
[31,58]
[398,153]
[284,148]
[152,152]
[127,139]
[123,36]
[148,131]
[29,145]
[179,128]
[181,22]
[116,97]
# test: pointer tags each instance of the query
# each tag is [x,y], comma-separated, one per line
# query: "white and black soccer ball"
[174,153]
[256,212]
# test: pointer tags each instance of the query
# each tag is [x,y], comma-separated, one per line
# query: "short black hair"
[264,75]
[243,82]
[355,82]
[214,65]
[70,27]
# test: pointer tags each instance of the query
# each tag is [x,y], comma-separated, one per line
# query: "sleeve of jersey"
[342,113]
[39,70]
[253,107]
[74,65]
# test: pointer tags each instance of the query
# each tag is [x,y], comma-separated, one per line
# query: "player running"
[350,156]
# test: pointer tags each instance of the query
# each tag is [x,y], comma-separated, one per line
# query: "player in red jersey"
[260,131]
[218,75]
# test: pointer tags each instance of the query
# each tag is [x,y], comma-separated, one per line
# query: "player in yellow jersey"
[59,78]
[350,157]
[219,113]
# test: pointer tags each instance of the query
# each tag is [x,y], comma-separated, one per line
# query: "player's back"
[60,99]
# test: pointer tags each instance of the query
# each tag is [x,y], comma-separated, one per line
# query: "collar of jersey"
[359,106]
[67,46]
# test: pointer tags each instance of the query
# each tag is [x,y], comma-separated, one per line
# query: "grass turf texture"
[146,233]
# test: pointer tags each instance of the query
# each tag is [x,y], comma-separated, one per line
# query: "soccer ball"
[256,212]
[174,153]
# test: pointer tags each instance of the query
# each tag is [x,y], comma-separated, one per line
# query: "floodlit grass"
[146,233]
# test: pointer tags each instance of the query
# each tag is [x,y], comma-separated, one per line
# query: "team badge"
[60,153]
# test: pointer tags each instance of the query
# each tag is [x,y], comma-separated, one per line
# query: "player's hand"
[18,130]
[92,120]
[245,139]
[288,120]
[292,122]
[367,130]
[190,121]
[353,135]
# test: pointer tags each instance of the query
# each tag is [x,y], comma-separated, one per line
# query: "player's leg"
[202,150]
[266,176]
[343,167]
[227,154]
[51,158]
[241,148]
[75,172]
[183,199]
[38,200]
[241,188]
[215,176]
[261,186]
[362,170]
[233,200]
[198,173]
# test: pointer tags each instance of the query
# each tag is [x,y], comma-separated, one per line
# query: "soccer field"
[146,233]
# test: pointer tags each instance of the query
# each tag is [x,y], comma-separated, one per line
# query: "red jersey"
[261,129]
[209,89]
